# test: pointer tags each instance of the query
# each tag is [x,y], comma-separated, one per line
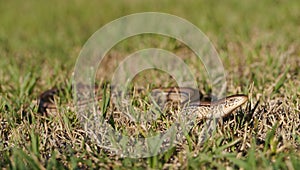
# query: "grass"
[258,43]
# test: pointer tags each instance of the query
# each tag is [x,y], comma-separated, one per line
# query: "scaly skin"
[188,97]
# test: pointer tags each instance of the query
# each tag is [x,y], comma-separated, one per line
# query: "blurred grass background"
[258,42]
[48,36]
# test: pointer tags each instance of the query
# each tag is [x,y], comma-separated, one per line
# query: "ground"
[258,44]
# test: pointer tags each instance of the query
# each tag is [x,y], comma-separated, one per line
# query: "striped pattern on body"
[187,97]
